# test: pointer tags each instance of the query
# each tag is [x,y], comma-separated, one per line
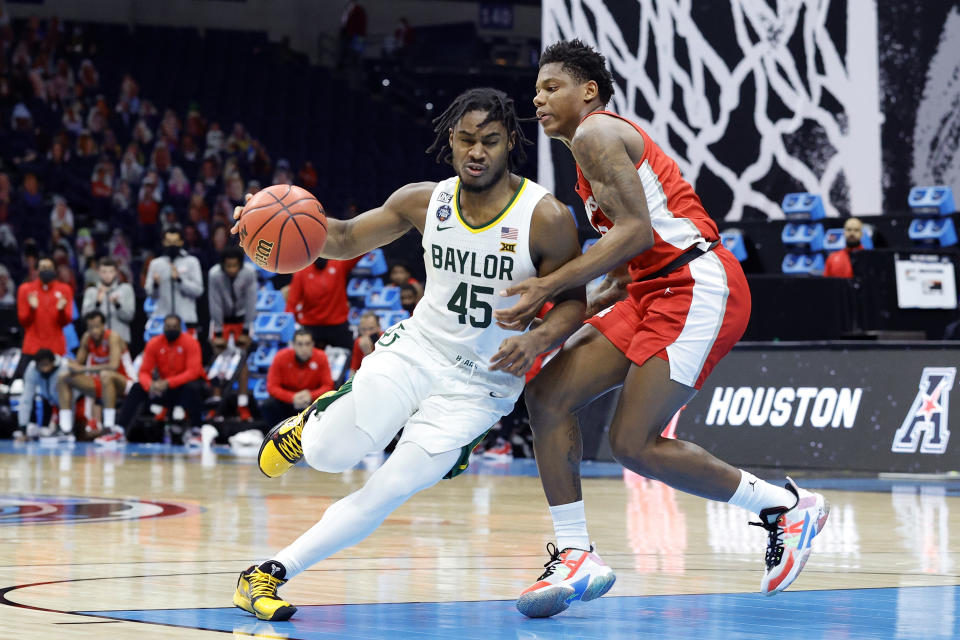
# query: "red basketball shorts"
[691,317]
[234,329]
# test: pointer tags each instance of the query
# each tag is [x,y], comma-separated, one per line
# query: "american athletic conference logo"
[928,414]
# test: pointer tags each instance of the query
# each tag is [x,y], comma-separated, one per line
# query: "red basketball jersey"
[99,353]
[678,218]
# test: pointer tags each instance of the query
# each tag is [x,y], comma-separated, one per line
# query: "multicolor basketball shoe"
[791,533]
[257,592]
[282,447]
[571,574]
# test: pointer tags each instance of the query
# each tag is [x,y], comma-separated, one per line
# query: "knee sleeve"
[331,440]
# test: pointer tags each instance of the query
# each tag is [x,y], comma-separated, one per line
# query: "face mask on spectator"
[47,275]
[171,252]
[171,334]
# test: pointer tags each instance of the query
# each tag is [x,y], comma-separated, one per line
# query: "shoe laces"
[775,531]
[263,584]
[552,563]
[290,444]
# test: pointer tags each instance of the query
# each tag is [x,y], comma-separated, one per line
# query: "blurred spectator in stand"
[179,189]
[261,166]
[44,308]
[409,297]
[232,295]
[235,191]
[174,280]
[40,379]
[7,297]
[89,79]
[67,276]
[161,162]
[239,140]
[297,376]
[30,206]
[353,33]
[85,157]
[283,174]
[99,371]
[188,156]
[838,263]
[101,182]
[148,209]
[130,168]
[111,297]
[214,139]
[61,217]
[199,215]
[210,179]
[368,332]
[168,218]
[318,300]
[171,374]
[308,176]
[400,275]
[73,118]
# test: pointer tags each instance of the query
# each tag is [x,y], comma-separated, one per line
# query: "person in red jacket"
[369,332]
[838,263]
[318,299]
[298,375]
[44,308]
[171,373]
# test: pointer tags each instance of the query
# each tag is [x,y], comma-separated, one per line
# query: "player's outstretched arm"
[554,243]
[605,162]
[404,209]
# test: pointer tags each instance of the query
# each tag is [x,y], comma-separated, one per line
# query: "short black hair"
[44,355]
[406,286]
[90,315]
[499,107]
[172,315]
[174,228]
[231,251]
[302,331]
[108,261]
[583,63]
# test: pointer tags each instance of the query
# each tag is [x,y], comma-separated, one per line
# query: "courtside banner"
[861,409]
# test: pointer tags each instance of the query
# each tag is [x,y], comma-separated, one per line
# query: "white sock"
[66,420]
[109,418]
[756,495]
[570,525]
[348,521]
[242,400]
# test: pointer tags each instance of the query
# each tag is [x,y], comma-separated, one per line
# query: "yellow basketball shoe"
[257,592]
[282,447]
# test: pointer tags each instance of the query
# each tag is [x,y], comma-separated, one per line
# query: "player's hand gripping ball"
[282,228]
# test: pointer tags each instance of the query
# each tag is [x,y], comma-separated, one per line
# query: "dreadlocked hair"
[499,107]
[583,63]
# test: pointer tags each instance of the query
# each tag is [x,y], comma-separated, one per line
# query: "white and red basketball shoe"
[791,533]
[571,574]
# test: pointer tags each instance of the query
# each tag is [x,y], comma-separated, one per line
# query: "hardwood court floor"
[148,542]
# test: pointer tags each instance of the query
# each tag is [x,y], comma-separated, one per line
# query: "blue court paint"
[908,613]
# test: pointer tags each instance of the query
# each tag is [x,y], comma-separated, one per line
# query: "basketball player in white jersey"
[448,373]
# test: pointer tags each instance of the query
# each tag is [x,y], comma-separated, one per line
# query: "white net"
[685,84]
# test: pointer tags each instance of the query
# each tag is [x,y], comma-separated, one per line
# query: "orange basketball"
[283,228]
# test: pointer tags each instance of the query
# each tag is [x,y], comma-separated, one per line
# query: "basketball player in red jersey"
[675,302]
[99,371]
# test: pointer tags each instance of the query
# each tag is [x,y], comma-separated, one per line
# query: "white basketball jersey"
[467,268]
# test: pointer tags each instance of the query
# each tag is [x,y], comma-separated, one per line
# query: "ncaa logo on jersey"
[443,212]
[926,422]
